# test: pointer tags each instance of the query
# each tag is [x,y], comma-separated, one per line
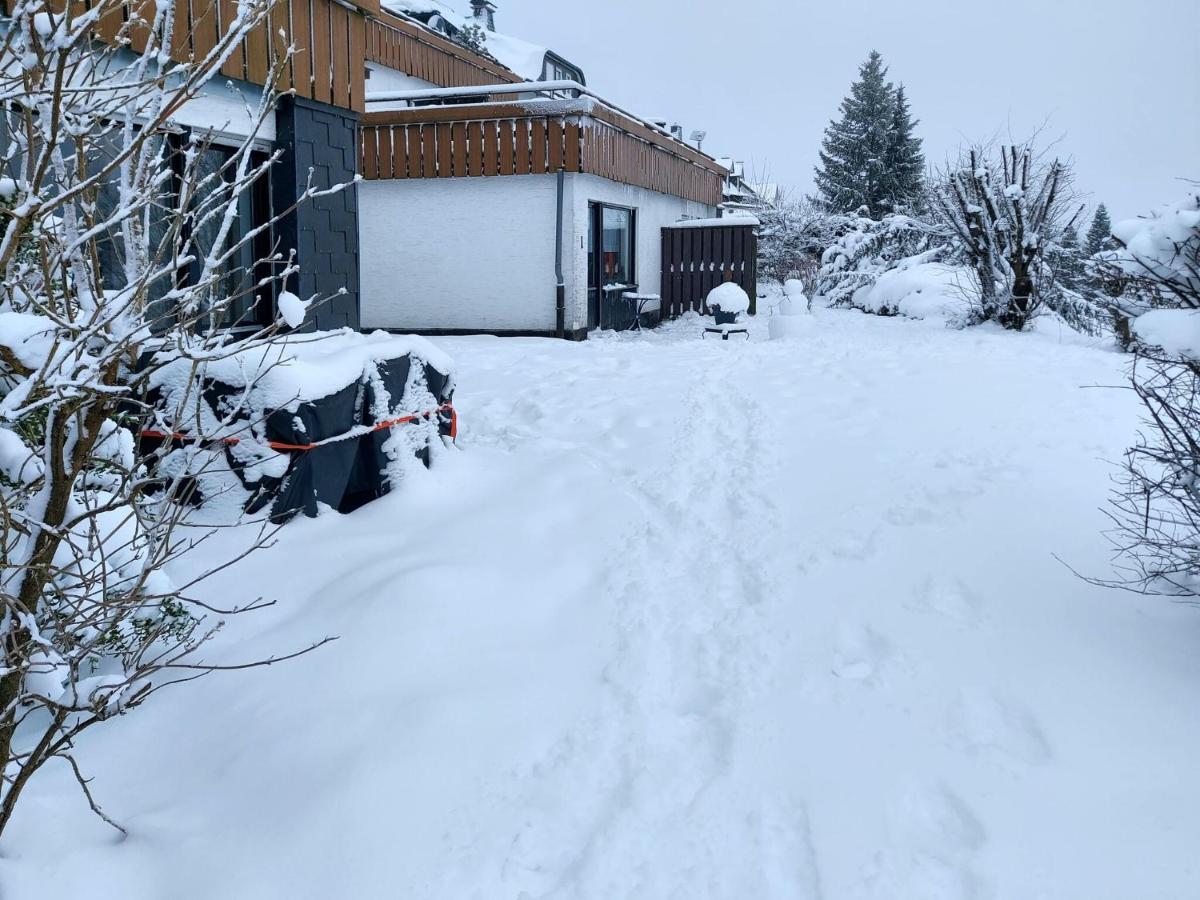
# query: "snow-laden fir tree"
[1066,259]
[1099,236]
[905,169]
[858,146]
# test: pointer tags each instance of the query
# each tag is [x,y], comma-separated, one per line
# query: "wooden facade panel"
[339,62]
[368,152]
[458,132]
[506,148]
[444,169]
[234,65]
[474,149]
[491,149]
[475,140]
[258,54]
[403,45]
[204,29]
[322,81]
[109,26]
[279,30]
[384,139]
[537,146]
[521,149]
[331,40]
[554,140]
[428,137]
[358,52]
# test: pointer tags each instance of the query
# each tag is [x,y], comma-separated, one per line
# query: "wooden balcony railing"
[499,139]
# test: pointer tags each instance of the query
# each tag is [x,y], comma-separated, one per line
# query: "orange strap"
[300,448]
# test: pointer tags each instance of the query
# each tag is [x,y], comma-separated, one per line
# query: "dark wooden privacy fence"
[417,51]
[697,259]
[492,139]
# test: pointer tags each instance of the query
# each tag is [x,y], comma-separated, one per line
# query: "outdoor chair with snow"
[727,302]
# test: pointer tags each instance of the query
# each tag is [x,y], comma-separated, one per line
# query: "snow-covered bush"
[918,289]
[1156,265]
[116,261]
[1155,508]
[791,238]
[856,260]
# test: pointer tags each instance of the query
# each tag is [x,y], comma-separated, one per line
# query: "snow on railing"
[548,90]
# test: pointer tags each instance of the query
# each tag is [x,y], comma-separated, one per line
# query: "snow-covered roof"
[526,59]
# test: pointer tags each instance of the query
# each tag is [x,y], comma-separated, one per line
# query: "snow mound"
[787,327]
[1158,237]
[305,367]
[1177,331]
[732,221]
[29,337]
[728,297]
[921,291]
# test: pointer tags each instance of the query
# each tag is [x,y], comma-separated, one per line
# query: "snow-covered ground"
[687,619]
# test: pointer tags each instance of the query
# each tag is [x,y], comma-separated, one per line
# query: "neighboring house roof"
[526,59]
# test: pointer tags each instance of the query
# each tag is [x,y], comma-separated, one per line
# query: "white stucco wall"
[458,253]
[478,253]
[654,210]
[385,78]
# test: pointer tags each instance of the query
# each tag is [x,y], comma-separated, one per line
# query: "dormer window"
[558,69]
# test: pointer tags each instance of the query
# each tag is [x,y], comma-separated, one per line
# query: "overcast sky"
[1117,80]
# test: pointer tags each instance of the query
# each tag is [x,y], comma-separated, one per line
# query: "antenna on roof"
[698,136]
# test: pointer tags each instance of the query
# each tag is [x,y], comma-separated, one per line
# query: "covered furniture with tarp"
[328,419]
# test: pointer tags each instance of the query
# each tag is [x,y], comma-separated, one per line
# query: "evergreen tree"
[856,149]
[905,163]
[1067,261]
[1099,236]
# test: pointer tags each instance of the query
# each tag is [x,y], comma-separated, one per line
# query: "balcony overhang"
[530,128]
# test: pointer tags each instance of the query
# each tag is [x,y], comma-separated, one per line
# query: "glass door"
[610,260]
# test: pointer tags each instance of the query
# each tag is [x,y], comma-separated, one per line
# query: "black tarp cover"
[350,468]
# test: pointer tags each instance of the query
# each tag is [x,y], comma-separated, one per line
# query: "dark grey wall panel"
[323,230]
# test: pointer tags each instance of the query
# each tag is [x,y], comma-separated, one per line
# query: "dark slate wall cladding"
[324,230]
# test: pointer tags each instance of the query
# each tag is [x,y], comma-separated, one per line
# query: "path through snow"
[685,620]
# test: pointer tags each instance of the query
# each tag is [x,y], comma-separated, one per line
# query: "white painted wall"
[385,78]
[654,210]
[458,253]
[478,253]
